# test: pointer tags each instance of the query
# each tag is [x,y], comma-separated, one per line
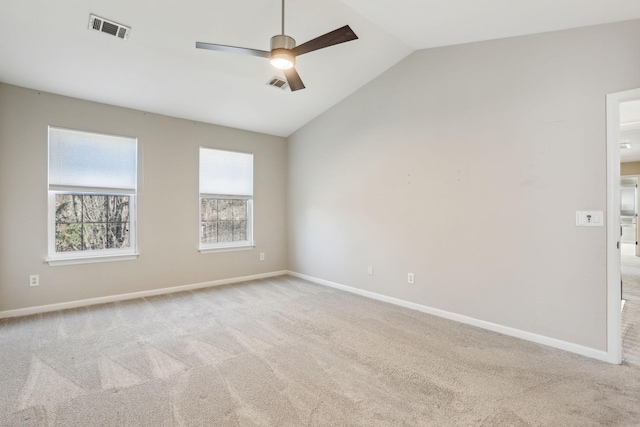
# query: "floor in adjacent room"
[631,313]
[286,352]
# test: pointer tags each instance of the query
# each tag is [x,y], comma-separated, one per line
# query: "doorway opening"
[630,251]
[623,265]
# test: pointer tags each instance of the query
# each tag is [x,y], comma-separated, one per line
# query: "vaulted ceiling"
[46,45]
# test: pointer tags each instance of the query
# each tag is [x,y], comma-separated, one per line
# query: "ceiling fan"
[284,50]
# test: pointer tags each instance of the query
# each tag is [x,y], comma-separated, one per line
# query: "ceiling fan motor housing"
[282,42]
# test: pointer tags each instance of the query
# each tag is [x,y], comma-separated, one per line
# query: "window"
[226,200]
[92,197]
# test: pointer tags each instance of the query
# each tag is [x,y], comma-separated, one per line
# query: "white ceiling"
[45,45]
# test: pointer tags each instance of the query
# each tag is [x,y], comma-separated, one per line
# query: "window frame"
[100,255]
[55,258]
[225,246]
[222,246]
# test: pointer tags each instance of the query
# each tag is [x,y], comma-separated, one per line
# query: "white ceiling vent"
[109,27]
[277,82]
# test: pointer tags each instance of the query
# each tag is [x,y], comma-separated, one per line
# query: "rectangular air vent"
[109,27]
[277,82]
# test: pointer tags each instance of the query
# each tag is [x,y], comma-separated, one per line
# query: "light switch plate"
[589,218]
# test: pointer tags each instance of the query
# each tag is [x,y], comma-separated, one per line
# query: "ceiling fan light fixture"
[282,60]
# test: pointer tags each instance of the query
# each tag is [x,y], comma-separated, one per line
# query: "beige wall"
[453,166]
[631,168]
[167,201]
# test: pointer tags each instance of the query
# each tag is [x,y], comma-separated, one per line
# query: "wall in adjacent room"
[465,165]
[167,201]
[631,168]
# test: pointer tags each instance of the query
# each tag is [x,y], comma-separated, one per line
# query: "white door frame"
[614,295]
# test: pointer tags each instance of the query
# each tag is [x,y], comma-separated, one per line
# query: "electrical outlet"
[261,256]
[34,280]
[410,278]
[370,270]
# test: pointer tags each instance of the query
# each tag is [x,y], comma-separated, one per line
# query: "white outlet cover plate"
[589,218]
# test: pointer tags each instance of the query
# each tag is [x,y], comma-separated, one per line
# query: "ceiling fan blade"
[294,80]
[341,35]
[233,49]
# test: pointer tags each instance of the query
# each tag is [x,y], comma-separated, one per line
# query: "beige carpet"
[284,352]
[630,271]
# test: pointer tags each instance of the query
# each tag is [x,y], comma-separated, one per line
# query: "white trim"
[133,295]
[111,191]
[614,316]
[224,196]
[55,262]
[528,336]
[246,247]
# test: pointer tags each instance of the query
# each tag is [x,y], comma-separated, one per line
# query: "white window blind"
[226,172]
[91,160]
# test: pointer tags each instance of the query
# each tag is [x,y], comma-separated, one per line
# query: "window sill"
[90,259]
[226,249]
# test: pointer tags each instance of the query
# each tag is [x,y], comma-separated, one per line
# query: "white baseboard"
[540,339]
[506,330]
[133,295]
